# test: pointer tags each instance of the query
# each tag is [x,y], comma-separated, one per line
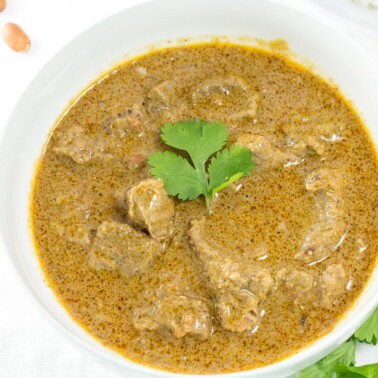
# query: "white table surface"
[29,347]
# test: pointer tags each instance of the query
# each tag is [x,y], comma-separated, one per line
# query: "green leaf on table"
[343,355]
[367,371]
[368,332]
[312,371]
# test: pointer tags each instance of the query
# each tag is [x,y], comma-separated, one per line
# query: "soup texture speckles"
[286,250]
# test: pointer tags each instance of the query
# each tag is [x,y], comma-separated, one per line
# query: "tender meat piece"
[325,179]
[162,102]
[120,247]
[150,207]
[132,120]
[297,284]
[238,286]
[328,233]
[264,153]
[231,96]
[313,136]
[75,144]
[252,251]
[179,314]
[331,285]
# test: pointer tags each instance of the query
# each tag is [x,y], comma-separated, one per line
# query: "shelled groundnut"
[15,37]
[3,4]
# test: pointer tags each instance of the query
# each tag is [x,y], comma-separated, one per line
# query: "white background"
[29,347]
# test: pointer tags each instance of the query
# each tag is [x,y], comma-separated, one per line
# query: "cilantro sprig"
[340,363]
[368,332]
[209,170]
[343,355]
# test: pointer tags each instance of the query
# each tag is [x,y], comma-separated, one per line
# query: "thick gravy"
[302,227]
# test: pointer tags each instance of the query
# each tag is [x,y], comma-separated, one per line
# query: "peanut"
[3,4]
[15,37]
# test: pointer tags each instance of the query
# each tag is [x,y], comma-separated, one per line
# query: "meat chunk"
[331,284]
[131,120]
[313,136]
[230,96]
[163,102]
[297,284]
[325,179]
[327,234]
[80,147]
[75,144]
[150,207]
[264,153]
[178,314]
[120,247]
[238,286]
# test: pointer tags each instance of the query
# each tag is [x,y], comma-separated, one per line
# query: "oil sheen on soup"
[274,262]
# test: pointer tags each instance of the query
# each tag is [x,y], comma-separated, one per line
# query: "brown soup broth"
[264,217]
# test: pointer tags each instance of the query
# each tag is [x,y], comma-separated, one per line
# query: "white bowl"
[131,32]
[364,18]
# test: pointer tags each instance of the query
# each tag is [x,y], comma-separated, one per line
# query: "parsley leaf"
[188,180]
[343,355]
[367,371]
[369,330]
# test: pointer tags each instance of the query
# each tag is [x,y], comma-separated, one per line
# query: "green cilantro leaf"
[343,355]
[367,371]
[228,166]
[340,362]
[313,371]
[369,330]
[179,177]
[200,139]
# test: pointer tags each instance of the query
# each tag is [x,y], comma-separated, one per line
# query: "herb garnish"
[343,355]
[340,363]
[189,179]
[369,330]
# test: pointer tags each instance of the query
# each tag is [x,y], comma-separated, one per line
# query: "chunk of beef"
[162,102]
[238,286]
[264,153]
[313,136]
[150,207]
[75,144]
[297,284]
[178,314]
[325,179]
[331,284]
[230,96]
[120,247]
[327,234]
[131,120]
